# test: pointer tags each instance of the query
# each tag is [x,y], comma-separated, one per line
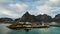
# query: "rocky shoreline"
[28,25]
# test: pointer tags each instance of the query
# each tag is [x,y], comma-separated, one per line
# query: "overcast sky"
[16,8]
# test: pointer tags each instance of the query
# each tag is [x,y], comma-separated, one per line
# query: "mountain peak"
[27,13]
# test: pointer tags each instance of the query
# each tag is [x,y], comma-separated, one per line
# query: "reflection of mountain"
[57,18]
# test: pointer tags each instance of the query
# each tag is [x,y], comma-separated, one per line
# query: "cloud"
[54,1]
[20,7]
[34,12]
[46,8]
[13,10]
[1,1]
[7,13]
[16,8]
[50,7]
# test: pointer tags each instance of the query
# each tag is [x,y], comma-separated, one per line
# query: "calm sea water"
[51,30]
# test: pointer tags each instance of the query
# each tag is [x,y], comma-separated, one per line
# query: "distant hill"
[57,18]
[6,20]
[44,18]
[27,18]
[31,18]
